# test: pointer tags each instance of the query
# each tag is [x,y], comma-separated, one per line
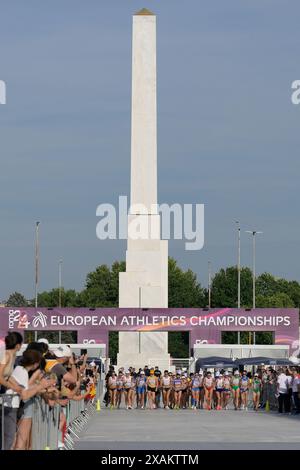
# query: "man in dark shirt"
[157,374]
[62,356]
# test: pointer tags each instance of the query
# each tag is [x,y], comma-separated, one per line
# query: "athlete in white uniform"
[127,390]
[112,386]
[166,388]
[219,386]
[209,385]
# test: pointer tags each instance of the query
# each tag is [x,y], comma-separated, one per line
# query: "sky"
[228,133]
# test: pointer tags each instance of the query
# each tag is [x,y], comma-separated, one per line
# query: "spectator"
[56,364]
[296,389]
[283,392]
[30,362]
[13,343]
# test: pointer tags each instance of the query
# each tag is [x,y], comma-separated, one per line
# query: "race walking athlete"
[166,388]
[195,391]
[120,387]
[127,390]
[226,390]
[256,390]
[184,391]
[244,388]
[152,385]
[209,385]
[112,387]
[141,384]
[235,386]
[177,384]
[219,390]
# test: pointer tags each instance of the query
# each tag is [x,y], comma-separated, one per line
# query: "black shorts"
[151,389]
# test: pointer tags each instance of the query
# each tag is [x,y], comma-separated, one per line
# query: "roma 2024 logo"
[19,319]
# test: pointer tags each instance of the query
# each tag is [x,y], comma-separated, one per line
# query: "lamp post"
[239,263]
[59,282]
[209,284]
[253,233]
[37,262]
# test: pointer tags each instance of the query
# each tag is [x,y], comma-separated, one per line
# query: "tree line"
[102,290]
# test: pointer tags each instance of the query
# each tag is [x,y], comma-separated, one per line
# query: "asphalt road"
[190,430]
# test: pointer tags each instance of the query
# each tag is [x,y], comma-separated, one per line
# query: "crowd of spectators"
[56,376]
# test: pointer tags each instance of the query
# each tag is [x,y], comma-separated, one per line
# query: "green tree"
[184,289]
[16,300]
[278,300]
[266,285]
[69,298]
[102,286]
[224,290]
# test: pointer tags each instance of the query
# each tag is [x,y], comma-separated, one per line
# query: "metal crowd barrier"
[5,403]
[45,425]
[45,432]
[268,395]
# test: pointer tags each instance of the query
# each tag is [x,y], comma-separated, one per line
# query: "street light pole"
[239,263]
[59,282]
[209,284]
[37,261]
[253,233]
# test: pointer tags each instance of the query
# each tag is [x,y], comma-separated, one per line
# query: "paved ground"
[188,429]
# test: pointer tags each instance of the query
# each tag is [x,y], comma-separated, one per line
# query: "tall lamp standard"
[59,282]
[209,284]
[239,263]
[253,233]
[37,263]
[59,291]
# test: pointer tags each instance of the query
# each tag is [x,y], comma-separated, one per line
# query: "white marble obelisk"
[145,282]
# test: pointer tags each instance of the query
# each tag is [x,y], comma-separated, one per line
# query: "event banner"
[205,325]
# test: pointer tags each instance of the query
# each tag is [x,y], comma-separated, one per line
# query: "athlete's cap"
[218,374]
[256,374]
[142,372]
[201,371]
[43,340]
[226,372]
[127,372]
[62,351]
[236,372]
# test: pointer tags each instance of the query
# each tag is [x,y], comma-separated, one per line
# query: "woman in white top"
[30,362]
[13,343]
